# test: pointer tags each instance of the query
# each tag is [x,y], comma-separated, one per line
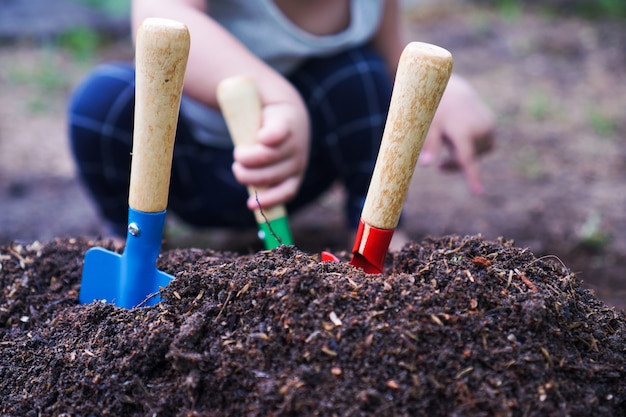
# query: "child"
[324,70]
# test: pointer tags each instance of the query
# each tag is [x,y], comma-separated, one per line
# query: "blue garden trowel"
[129,279]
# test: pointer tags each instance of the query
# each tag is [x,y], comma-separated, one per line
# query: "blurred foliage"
[591,234]
[510,9]
[44,75]
[589,9]
[602,124]
[529,164]
[538,104]
[81,42]
[111,7]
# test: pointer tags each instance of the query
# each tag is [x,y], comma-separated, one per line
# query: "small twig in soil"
[18,256]
[144,392]
[230,293]
[526,281]
[550,257]
[150,296]
[267,222]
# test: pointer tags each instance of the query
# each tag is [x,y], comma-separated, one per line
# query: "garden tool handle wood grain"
[422,75]
[240,104]
[161,59]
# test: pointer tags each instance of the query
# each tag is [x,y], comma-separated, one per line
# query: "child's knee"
[101,90]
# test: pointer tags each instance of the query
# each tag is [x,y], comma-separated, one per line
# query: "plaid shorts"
[347,96]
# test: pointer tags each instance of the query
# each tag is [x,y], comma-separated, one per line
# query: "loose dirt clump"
[454,326]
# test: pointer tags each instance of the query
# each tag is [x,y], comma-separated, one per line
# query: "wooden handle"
[422,76]
[161,60]
[241,106]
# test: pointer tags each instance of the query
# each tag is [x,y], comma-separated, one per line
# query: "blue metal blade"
[127,280]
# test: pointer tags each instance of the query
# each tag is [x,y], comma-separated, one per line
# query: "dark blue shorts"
[347,97]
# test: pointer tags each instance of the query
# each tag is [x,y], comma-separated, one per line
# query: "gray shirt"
[262,27]
[270,35]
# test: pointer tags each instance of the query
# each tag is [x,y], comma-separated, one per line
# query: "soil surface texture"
[453,327]
[553,184]
[505,304]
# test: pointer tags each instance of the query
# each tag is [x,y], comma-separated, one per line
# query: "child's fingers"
[267,175]
[278,194]
[462,149]
[274,129]
[258,155]
[432,146]
[472,176]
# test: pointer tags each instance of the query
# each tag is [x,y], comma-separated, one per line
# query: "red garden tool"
[422,75]
[241,106]
[128,279]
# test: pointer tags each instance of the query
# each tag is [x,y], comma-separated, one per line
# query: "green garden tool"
[241,106]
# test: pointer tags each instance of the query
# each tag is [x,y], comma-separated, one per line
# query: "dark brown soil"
[554,182]
[455,327]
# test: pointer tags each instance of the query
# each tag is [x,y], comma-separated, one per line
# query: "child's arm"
[278,161]
[215,54]
[390,40]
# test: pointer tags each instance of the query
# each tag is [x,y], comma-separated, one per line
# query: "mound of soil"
[454,326]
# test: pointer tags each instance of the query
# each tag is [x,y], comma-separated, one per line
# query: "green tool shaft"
[275,233]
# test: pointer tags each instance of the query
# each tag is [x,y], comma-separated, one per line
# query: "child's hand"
[276,163]
[465,126]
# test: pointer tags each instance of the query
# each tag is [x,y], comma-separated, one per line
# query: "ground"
[453,327]
[554,183]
